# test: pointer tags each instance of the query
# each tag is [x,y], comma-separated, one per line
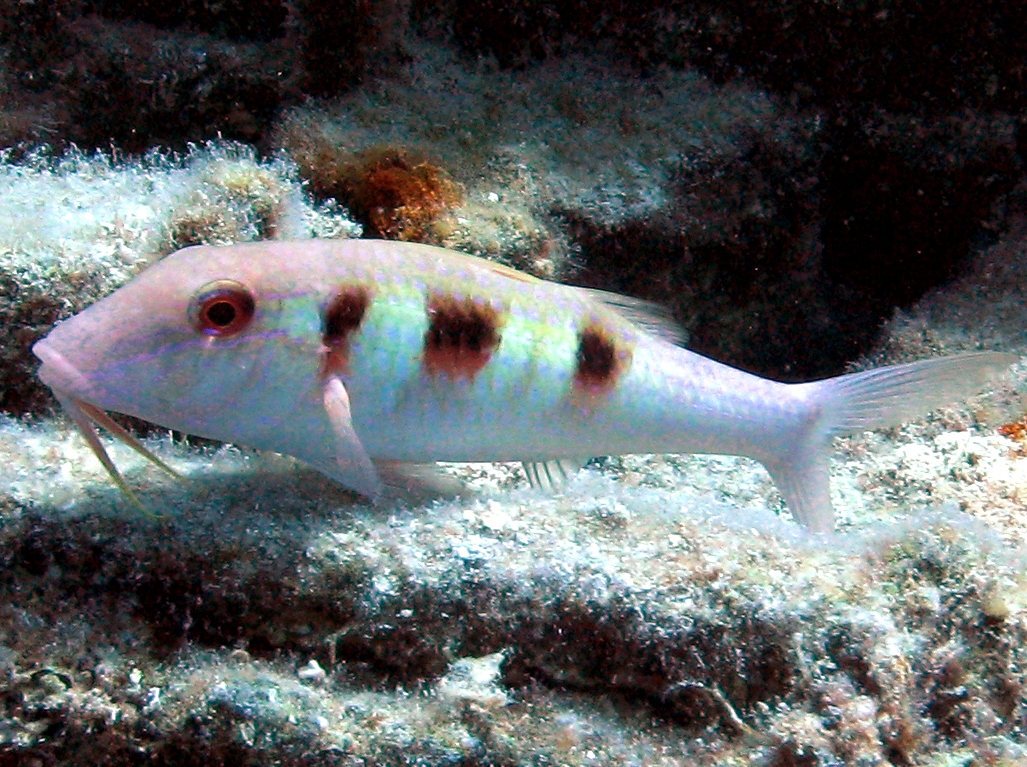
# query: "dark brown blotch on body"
[462,335]
[599,360]
[341,320]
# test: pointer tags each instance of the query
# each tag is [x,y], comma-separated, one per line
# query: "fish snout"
[60,374]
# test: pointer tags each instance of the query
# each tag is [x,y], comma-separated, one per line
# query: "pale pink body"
[358,352]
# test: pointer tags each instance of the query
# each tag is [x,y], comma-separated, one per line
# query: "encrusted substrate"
[579,135]
[77,227]
[266,617]
[984,308]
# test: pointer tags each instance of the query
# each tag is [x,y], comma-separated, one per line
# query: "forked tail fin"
[871,399]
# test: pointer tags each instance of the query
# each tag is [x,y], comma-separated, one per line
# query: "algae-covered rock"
[266,617]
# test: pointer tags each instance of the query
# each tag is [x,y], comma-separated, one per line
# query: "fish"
[365,357]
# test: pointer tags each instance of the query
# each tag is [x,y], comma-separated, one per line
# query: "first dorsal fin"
[493,266]
[509,271]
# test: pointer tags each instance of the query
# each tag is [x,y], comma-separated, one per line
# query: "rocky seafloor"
[659,610]
[266,618]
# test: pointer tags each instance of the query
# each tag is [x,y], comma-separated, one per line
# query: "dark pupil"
[221,314]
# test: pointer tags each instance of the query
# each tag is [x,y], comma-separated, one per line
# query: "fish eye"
[222,308]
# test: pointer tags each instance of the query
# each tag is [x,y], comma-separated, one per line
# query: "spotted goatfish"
[358,355]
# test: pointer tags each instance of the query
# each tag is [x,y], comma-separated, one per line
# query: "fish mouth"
[58,373]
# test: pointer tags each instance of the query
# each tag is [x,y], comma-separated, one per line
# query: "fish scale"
[356,356]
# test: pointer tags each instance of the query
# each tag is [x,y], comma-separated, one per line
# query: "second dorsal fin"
[551,475]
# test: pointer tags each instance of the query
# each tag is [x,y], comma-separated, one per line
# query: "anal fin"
[803,479]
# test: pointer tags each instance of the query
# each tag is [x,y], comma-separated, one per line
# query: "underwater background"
[810,187]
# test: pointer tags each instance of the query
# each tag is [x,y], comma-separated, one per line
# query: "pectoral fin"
[353,466]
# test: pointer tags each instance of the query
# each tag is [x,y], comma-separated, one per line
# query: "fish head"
[220,342]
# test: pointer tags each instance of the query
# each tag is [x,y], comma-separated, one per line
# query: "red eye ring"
[223,308]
